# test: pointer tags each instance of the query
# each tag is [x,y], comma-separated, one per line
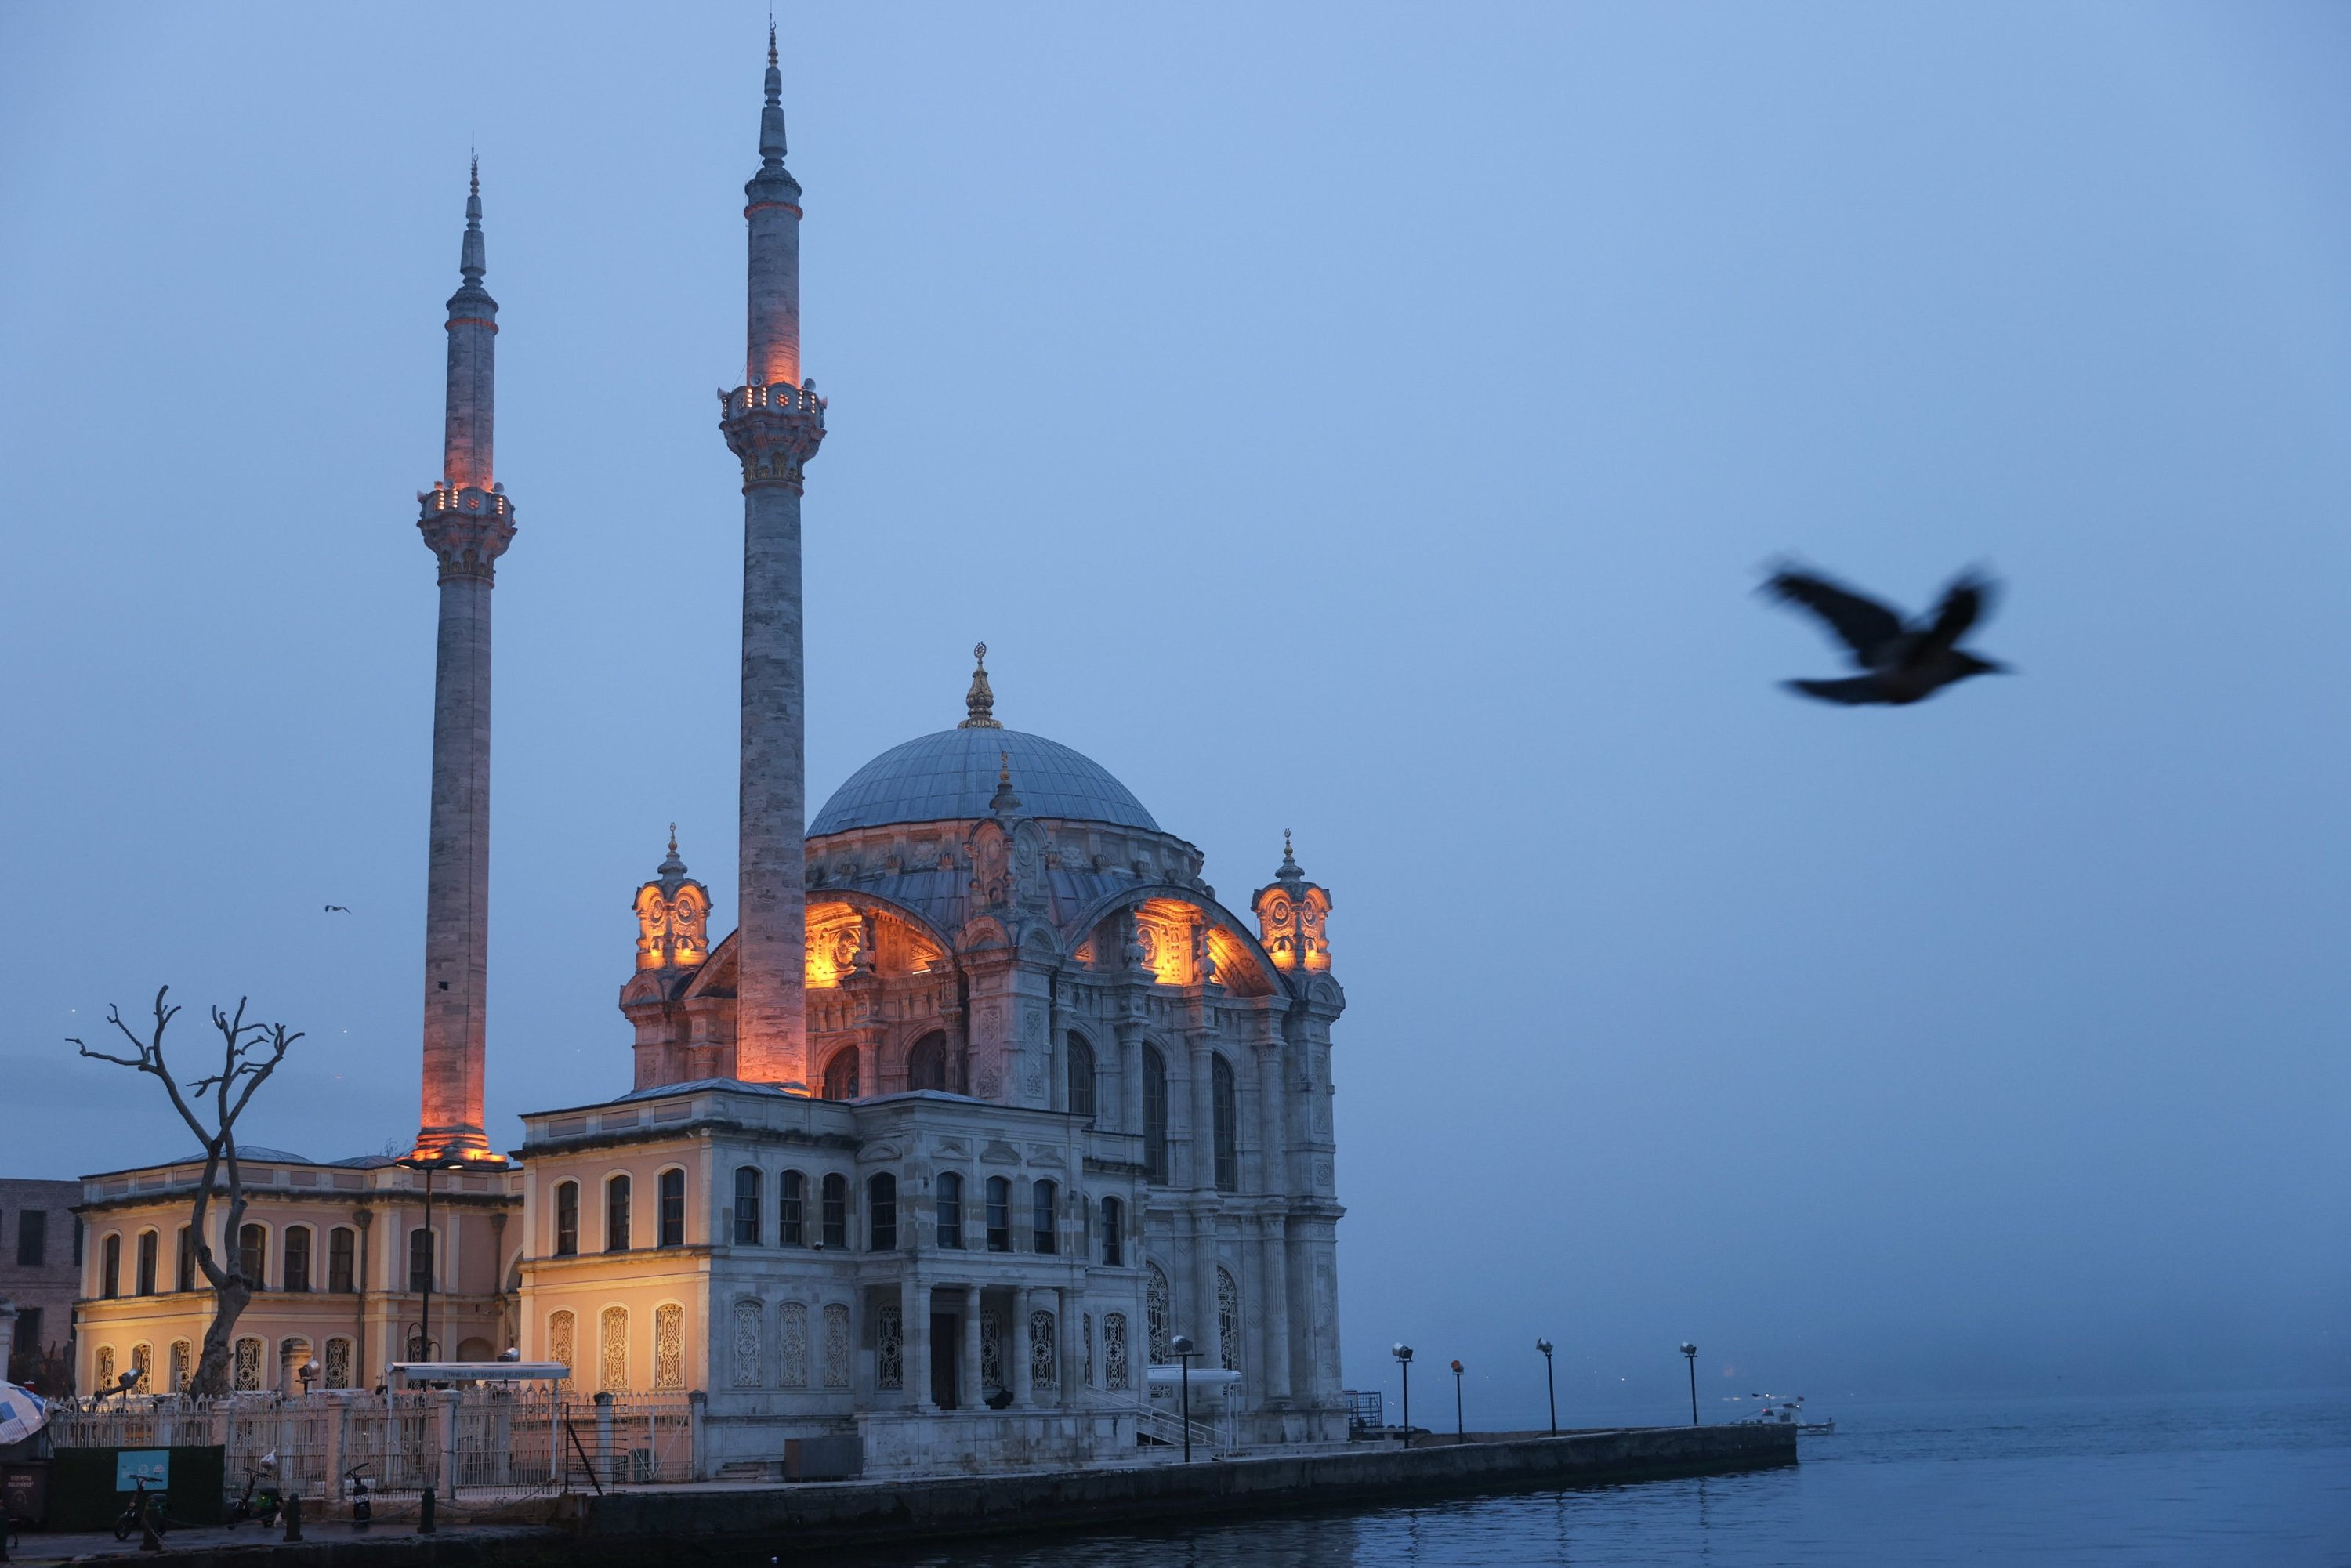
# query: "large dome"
[952,774]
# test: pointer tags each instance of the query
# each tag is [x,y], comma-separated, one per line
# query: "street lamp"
[308,1373]
[428,1165]
[1550,1387]
[1458,1435]
[1403,1353]
[1182,1348]
[1689,1353]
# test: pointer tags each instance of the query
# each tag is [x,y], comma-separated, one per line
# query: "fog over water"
[1364,421]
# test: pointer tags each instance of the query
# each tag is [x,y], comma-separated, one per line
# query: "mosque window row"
[298,1268]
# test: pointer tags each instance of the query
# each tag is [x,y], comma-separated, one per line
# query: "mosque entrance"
[947,1340]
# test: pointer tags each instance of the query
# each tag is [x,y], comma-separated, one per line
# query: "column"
[1203,1291]
[918,1297]
[972,1395]
[1130,1077]
[1019,1376]
[1203,1140]
[1069,1342]
[1273,1306]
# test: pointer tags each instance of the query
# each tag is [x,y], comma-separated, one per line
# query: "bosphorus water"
[2256,1478]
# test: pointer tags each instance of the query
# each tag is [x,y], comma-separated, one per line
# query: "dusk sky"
[1366,421]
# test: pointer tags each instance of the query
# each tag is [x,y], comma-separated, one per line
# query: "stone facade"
[40,1267]
[337,1252]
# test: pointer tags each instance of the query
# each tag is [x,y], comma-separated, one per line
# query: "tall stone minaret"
[774,423]
[467,524]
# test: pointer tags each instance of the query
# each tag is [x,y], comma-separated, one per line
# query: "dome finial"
[1289,871]
[979,702]
[672,866]
[1005,801]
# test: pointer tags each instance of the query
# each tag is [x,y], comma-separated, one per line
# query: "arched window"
[926,1064]
[1040,1215]
[791,1226]
[109,1274]
[746,1206]
[1154,1115]
[342,1264]
[1228,1322]
[183,1363]
[250,1247]
[612,1351]
[339,1358]
[147,1240]
[297,1257]
[142,1362]
[882,1212]
[616,1215]
[1114,1214]
[1154,1314]
[567,1219]
[836,1210]
[950,1209]
[1082,1077]
[420,1267]
[672,1209]
[840,1074]
[1225,1106]
[185,1279]
[999,1215]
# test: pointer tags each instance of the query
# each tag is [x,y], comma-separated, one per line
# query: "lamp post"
[1403,1353]
[1182,1348]
[1689,1354]
[1458,1435]
[432,1245]
[308,1373]
[1550,1386]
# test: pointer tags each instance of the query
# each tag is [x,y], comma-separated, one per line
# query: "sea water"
[2262,1480]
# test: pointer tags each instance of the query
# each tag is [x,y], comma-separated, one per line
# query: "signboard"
[134,1465]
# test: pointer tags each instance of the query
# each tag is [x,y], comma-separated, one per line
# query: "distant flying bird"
[1901,664]
[336,909]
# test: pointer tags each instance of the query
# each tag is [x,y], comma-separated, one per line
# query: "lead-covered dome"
[952,774]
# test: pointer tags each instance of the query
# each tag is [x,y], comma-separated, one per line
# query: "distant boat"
[1779,1412]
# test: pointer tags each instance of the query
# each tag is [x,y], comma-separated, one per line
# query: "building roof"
[952,776]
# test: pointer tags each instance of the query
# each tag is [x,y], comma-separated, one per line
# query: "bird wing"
[1967,600]
[1866,625]
[1854,692]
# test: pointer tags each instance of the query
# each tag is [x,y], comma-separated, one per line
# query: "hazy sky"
[1364,421]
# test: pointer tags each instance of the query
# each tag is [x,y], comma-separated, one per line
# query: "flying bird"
[1900,663]
[336,909]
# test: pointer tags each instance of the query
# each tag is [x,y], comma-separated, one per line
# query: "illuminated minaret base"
[774,423]
[467,523]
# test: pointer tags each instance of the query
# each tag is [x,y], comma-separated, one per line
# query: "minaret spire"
[467,522]
[774,424]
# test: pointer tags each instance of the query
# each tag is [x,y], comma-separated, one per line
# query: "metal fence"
[482,1442]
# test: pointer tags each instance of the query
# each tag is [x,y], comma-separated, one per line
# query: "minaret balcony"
[779,399]
[775,430]
[466,530]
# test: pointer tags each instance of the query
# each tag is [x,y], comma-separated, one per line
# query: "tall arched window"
[1225,1106]
[1082,1077]
[147,1240]
[840,1074]
[882,1212]
[926,1064]
[792,1222]
[109,1268]
[836,1210]
[999,1215]
[419,1268]
[1114,1217]
[1154,1115]
[567,1219]
[1041,1196]
[185,1278]
[746,1206]
[250,1247]
[297,1252]
[950,1209]
[1154,1314]
[342,1261]
[1228,1322]
[672,1232]
[616,1215]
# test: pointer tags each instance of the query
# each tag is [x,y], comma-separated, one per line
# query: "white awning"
[478,1371]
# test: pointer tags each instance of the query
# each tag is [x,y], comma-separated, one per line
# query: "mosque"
[985,1102]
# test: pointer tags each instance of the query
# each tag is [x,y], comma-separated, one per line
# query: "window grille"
[1154,1309]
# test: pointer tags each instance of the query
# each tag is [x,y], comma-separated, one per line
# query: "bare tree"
[250,1052]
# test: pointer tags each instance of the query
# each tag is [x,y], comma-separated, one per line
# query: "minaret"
[774,423]
[467,524]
